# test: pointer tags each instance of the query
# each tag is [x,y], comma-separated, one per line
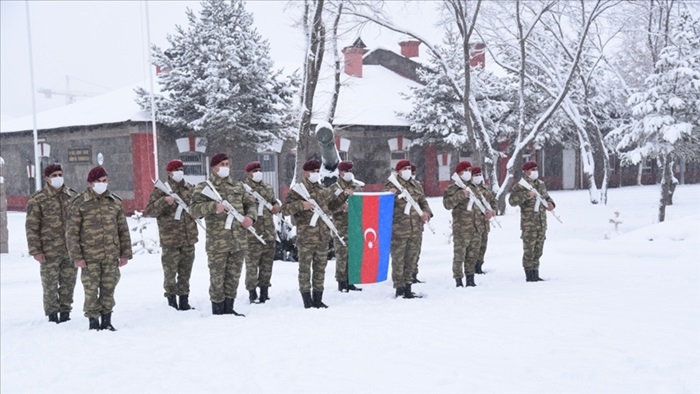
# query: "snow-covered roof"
[113,107]
[372,100]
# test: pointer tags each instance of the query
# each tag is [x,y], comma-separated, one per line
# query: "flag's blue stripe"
[386,218]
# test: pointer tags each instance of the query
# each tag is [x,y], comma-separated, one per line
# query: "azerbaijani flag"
[370,216]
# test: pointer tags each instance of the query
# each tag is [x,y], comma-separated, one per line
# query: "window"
[646,166]
[193,163]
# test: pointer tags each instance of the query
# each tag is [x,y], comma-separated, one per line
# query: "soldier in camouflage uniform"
[468,224]
[420,246]
[226,248]
[478,182]
[259,258]
[312,242]
[533,219]
[340,219]
[99,243]
[47,212]
[407,230]
[178,235]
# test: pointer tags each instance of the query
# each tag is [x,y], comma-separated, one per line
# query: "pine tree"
[666,116]
[218,80]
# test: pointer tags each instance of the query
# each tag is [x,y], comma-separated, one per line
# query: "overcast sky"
[92,47]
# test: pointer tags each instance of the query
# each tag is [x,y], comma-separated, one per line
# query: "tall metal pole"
[153,104]
[37,167]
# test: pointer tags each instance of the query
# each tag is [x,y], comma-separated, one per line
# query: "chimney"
[477,55]
[353,58]
[409,48]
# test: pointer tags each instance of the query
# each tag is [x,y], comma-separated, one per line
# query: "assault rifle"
[482,204]
[300,189]
[181,205]
[540,201]
[211,192]
[411,203]
[262,202]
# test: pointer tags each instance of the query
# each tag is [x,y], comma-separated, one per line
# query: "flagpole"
[153,105]
[37,167]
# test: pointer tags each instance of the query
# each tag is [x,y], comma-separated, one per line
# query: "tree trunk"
[666,175]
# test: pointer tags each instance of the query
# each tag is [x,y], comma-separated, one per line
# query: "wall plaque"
[80,155]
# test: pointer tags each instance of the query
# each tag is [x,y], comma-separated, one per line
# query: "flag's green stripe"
[355,239]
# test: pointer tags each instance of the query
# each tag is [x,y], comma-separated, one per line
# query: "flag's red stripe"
[370,231]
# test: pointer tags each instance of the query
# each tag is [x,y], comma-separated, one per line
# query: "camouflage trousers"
[484,244]
[313,259]
[258,265]
[404,254]
[414,264]
[466,249]
[341,259]
[58,277]
[533,245]
[224,273]
[99,280]
[177,270]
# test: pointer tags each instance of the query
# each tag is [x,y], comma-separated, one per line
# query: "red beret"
[312,165]
[174,165]
[529,165]
[476,170]
[463,165]
[217,158]
[51,168]
[401,164]
[95,174]
[253,165]
[345,166]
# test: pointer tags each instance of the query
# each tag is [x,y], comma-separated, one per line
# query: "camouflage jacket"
[340,217]
[529,217]
[97,228]
[464,218]
[219,239]
[326,199]
[47,214]
[489,197]
[405,226]
[265,225]
[173,233]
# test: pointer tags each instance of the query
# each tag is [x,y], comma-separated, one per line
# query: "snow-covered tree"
[219,80]
[666,116]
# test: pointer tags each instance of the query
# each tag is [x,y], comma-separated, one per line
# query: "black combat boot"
[107,322]
[63,317]
[306,297]
[53,318]
[228,308]
[318,299]
[415,278]
[185,303]
[477,267]
[536,276]
[407,293]
[399,291]
[528,275]
[342,286]
[217,308]
[252,296]
[470,280]
[458,282]
[172,301]
[263,294]
[354,288]
[94,323]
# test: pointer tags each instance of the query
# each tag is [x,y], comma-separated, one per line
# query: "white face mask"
[348,177]
[57,182]
[534,175]
[178,176]
[99,187]
[314,177]
[413,177]
[223,172]
[257,176]
[466,176]
[478,179]
[406,174]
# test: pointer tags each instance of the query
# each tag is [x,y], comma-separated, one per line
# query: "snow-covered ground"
[615,316]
